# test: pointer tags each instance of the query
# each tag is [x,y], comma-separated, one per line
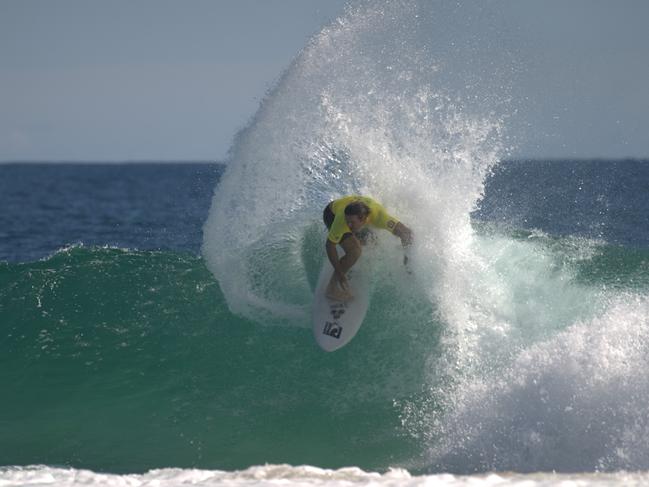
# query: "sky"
[161,80]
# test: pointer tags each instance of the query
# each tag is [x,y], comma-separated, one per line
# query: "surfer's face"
[355,222]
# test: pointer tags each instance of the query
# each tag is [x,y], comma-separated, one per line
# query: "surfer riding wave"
[346,219]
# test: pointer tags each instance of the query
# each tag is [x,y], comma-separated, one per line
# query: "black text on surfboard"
[332,329]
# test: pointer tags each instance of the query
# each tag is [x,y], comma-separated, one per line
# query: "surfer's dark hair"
[357,208]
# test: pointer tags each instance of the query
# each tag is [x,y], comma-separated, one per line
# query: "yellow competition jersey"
[378,217]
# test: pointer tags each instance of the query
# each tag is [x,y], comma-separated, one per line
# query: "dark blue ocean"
[148,206]
[47,207]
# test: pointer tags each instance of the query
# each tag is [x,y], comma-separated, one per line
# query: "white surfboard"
[335,323]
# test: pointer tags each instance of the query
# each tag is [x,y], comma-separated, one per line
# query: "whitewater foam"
[573,402]
[365,108]
[302,476]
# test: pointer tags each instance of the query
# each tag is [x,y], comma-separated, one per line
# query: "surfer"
[346,219]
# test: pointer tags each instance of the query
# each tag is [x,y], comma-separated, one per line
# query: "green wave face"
[123,361]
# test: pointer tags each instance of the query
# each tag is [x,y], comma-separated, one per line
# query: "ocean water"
[154,318]
[122,355]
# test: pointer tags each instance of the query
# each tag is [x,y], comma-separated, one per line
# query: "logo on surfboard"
[337,312]
[332,329]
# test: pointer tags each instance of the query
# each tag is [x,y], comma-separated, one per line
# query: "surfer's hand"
[404,233]
[406,237]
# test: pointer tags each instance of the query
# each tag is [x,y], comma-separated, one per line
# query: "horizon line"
[115,162]
[224,162]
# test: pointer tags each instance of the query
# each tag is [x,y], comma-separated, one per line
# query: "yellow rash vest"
[378,217]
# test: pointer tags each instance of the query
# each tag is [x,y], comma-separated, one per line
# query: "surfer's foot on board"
[337,294]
